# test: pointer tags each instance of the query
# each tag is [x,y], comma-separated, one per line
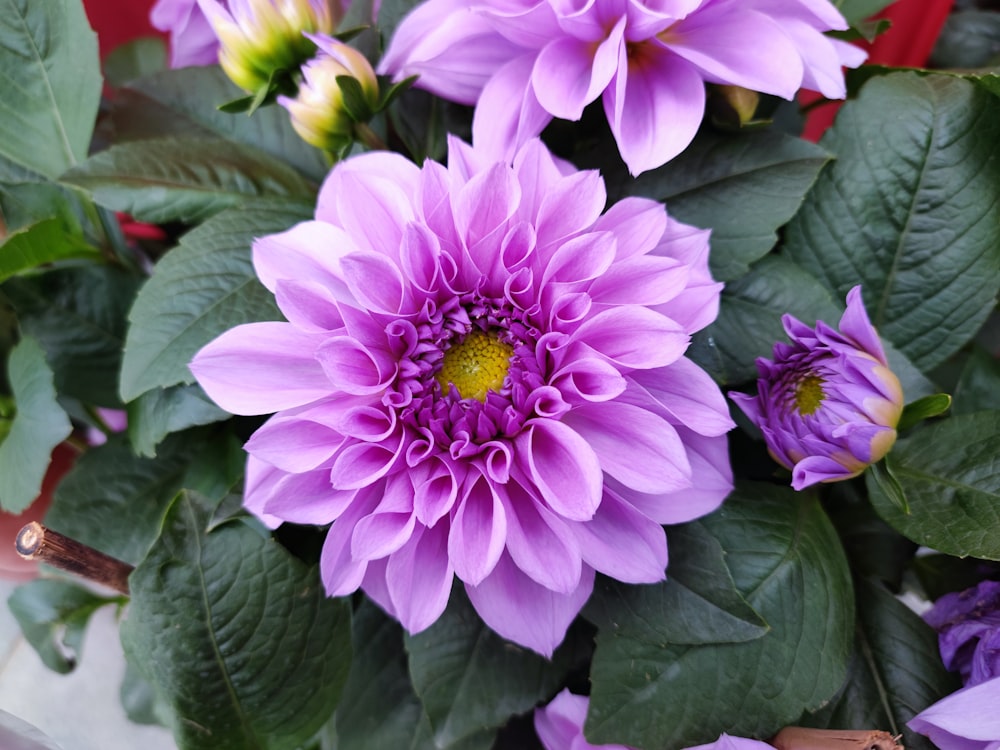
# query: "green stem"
[369,137]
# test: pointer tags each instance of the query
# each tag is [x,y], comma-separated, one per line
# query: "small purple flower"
[192,39]
[559,726]
[481,376]
[828,404]
[523,62]
[966,720]
[968,625]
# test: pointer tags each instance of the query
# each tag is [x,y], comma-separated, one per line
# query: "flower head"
[318,111]
[968,625]
[966,720]
[259,38]
[828,404]
[192,39]
[481,376]
[523,62]
[559,726]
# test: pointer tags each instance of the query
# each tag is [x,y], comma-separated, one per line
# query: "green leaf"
[379,707]
[470,680]
[883,476]
[969,39]
[895,673]
[53,616]
[115,501]
[183,103]
[48,241]
[157,413]
[911,210]
[183,178]
[52,84]
[140,700]
[78,316]
[235,634]
[787,562]
[858,10]
[39,426]
[978,386]
[203,287]
[743,187]
[940,574]
[134,59]
[697,604]
[924,408]
[951,477]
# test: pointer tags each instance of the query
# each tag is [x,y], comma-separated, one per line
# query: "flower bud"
[319,112]
[261,37]
[828,404]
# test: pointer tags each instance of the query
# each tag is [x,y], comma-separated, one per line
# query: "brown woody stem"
[35,542]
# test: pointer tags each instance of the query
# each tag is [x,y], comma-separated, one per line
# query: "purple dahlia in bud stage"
[559,726]
[968,626]
[192,39]
[966,720]
[523,62]
[259,38]
[481,377]
[828,404]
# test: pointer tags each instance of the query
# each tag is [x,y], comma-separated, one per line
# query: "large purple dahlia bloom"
[523,62]
[828,404]
[966,720]
[481,376]
[192,38]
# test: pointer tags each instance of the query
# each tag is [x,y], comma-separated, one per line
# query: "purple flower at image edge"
[523,62]
[968,625]
[481,377]
[968,719]
[192,39]
[827,403]
[559,726]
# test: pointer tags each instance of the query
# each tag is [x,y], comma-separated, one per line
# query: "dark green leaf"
[697,604]
[184,178]
[911,210]
[134,59]
[858,10]
[200,289]
[968,39]
[114,501]
[743,187]
[379,708]
[786,560]
[979,385]
[951,477]
[156,413]
[27,198]
[895,672]
[39,426]
[183,103]
[749,321]
[53,616]
[48,59]
[78,315]
[49,241]
[355,102]
[140,701]
[470,680]
[924,408]
[235,634]
[882,475]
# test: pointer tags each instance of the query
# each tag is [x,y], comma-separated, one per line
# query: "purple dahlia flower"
[481,376]
[966,720]
[968,625]
[560,727]
[192,39]
[828,404]
[523,62]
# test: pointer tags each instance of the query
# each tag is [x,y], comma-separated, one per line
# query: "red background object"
[119,21]
[916,25]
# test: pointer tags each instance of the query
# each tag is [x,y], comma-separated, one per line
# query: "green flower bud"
[258,38]
[321,112]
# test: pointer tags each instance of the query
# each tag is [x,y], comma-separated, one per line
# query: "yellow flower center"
[476,365]
[809,394]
